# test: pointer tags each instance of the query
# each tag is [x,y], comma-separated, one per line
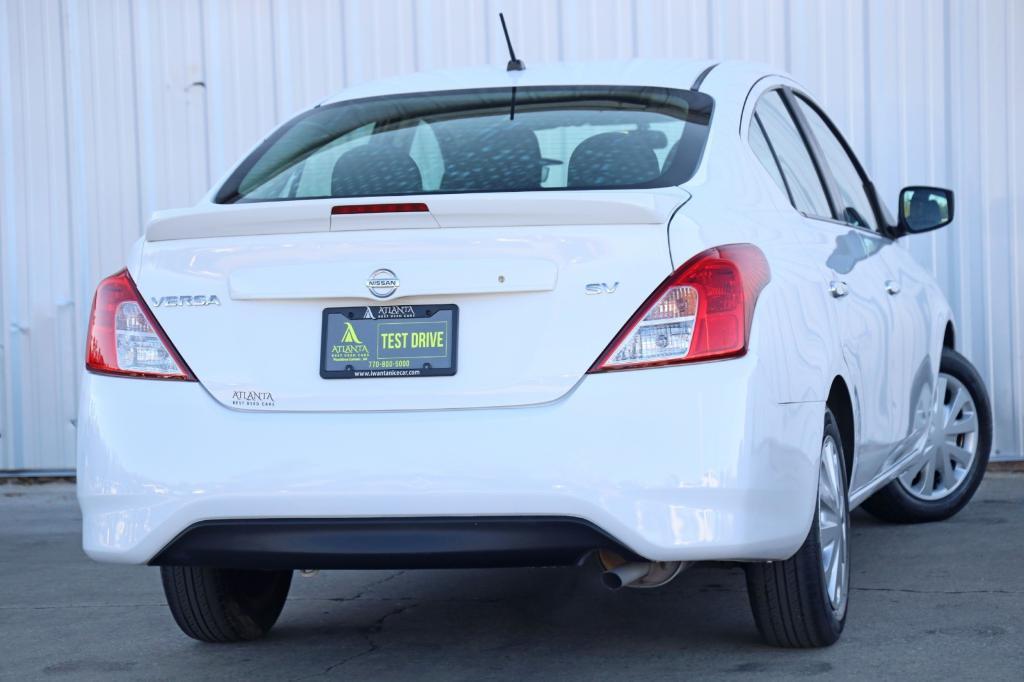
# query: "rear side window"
[491,140]
[807,192]
[766,155]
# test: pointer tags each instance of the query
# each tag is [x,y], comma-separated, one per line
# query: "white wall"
[110,110]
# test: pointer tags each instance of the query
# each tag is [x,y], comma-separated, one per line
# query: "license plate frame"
[369,319]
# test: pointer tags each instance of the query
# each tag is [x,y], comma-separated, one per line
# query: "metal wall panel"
[39,301]
[110,110]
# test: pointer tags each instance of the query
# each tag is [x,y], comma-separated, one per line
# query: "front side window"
[856,208]
[794,159]
[491,140]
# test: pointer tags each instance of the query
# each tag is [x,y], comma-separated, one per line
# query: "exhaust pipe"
[625,575]
[642,574]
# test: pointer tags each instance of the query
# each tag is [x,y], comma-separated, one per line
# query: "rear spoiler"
[509,209]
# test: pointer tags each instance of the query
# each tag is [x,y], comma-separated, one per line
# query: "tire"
[794,602]
[222,605]
[916,498]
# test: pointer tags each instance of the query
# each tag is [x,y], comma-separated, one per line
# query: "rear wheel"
[955,456]
[801,602]
[222,605]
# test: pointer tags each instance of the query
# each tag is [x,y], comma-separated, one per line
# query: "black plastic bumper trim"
[388,543]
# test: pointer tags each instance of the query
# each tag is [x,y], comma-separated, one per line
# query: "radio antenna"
[513,63]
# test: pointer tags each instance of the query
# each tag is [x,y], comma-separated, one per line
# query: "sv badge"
[601,288]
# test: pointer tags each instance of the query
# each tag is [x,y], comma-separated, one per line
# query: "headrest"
[612,159]
[501,157]
[375,169]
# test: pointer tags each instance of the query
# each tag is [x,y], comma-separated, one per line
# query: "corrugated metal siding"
[110,110]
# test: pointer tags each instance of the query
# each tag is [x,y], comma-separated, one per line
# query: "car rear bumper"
[684,463]
[390,543]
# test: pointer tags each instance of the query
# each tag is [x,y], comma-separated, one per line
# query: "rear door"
[901,371]
[857,274]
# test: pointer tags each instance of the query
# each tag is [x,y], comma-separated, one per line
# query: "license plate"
[375,341]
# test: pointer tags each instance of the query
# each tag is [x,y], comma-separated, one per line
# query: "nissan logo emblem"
[382,283]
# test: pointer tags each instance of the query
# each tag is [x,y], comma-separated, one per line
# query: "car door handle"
[838,289]
[892,286]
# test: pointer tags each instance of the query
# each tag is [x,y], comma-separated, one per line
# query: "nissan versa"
[639,314]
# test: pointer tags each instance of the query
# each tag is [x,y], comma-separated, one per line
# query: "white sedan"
[636,314]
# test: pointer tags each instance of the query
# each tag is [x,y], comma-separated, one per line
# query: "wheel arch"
[949,336]
[840,403]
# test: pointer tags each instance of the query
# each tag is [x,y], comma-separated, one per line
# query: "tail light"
[125,339]
[702,311]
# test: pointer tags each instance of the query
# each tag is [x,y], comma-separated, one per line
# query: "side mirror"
[923,209]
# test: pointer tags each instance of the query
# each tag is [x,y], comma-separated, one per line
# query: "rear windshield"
[491,140]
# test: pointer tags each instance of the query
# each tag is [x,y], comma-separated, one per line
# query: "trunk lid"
[516,267]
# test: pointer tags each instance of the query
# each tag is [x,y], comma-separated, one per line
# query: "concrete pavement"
[938,600]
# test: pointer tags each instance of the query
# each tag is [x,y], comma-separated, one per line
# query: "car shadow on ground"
[498,617]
